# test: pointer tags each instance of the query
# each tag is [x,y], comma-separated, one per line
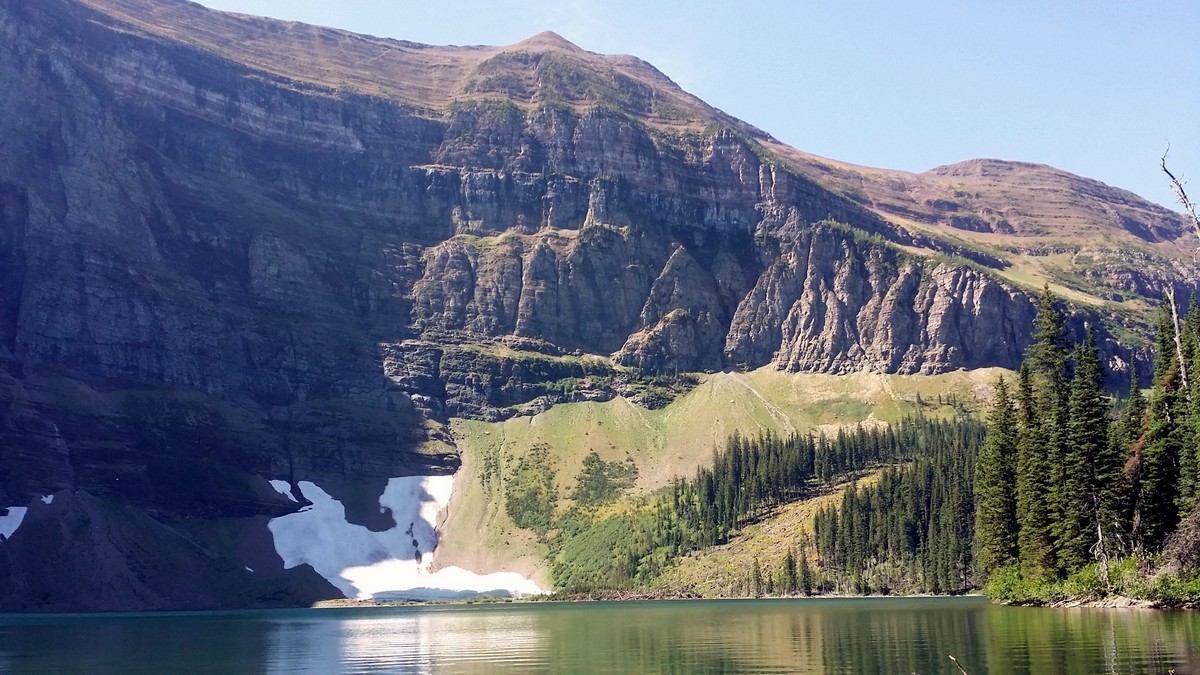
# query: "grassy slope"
[665,443]
[718,571]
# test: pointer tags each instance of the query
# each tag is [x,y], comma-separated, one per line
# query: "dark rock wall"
[202,262]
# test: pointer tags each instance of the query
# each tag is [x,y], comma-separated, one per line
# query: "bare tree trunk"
[1099,551]
[1183,375]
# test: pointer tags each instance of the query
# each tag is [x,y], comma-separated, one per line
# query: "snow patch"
[283,488]
[448,583]
[9,523]
[47,499]
[394,563]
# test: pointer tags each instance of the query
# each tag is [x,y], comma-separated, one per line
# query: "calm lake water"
[752,636]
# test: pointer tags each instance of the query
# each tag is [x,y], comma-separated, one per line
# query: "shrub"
[531,497]
[1086,583]
[1182,550]
[600,482]
[1175,589]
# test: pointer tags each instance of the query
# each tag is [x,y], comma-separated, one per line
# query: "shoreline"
[1111,602]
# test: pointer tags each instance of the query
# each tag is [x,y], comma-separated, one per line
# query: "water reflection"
[819,636]
[1092,641]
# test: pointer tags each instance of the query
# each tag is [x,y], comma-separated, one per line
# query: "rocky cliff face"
[213,271]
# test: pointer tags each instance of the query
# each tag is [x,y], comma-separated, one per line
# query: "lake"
[859,635]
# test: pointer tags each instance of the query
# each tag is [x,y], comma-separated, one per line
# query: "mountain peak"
[986,166]
[547,41]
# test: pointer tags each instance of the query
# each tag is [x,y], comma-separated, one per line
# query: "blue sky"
[1097,88]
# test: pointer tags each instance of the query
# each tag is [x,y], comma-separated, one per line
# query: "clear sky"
[1096,87]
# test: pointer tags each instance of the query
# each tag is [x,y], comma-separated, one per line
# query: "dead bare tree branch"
[1181,194]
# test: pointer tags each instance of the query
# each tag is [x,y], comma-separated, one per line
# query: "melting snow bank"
[283,488]
[389,565]
[10,522]
[12,517]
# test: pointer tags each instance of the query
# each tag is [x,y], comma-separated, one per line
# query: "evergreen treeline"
[747,479]
[912,531]
[752,475]
[1060,484]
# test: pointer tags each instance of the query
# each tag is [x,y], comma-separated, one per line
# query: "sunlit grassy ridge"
[664,443]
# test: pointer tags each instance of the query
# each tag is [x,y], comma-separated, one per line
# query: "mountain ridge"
[469,60]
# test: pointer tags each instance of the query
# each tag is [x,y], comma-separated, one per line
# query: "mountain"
[235,250]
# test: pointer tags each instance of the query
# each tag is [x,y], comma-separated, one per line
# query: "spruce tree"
[1047,354]
[1086,443]
[1047,360]
[1189,469]
[789,582]
[1127,439]
[1035,547]
[806,575]
[1157,510]
[1192,449]
[996,487]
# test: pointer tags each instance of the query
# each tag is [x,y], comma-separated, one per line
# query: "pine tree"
[1087,441]
[1047,361]
[1035,548]
[1189,469]
[789,582]
[996,487]
[1157,509]
[806,575]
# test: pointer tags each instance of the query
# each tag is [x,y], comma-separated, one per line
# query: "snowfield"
[9,523]
[396,563]
[282,487]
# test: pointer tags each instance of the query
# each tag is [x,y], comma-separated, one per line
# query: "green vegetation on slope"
[767,544]
[666,443]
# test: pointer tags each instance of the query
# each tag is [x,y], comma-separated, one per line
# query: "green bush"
[1175,589]
[589,560]
[600,482]
[530,496]
[1007,584]
[1003,584]
[1086,583]
[1126,580]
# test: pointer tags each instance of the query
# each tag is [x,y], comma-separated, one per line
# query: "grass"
[478,534]
[1031,272]
[1066,272]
